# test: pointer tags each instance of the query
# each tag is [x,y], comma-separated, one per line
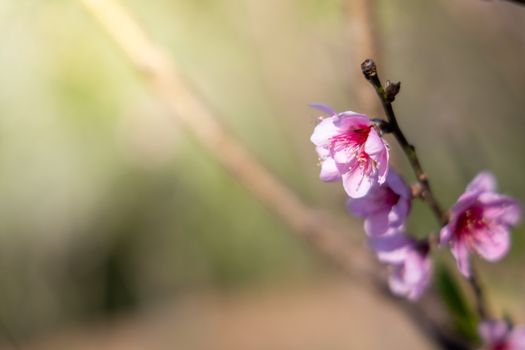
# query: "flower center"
[352,143]
[502,345]
[390,197]
[470,221]
[352,137]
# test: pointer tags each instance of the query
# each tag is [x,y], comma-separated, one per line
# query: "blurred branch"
[306,223]
[520,2]
[160,74]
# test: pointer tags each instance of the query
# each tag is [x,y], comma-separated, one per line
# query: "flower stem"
[480,296]
[369,69]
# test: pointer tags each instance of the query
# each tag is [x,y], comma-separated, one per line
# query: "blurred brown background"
[119,231]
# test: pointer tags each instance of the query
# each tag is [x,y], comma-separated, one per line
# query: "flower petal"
[352,120]
[356,183]
[324,131]
[483,182]
[397,184]
[383,168]
[377,224]
[329,171]
[461,253]
[344,159]
[324,108]
[366,205]
[501,208]
[392,248]
[374,143]
[517,338]
[399,212]
[493,332]
[492,243]
[445,235]
[412,278]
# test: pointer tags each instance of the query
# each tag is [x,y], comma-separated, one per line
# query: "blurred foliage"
[106,204]
[462,312]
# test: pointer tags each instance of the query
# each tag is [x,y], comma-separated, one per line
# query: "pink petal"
[383,167]
[374,143]
[492,243]
[344,159]
[464,202]
[483,182]
[391,249]
[329,171]
[416,268]
[412,278]
[445,235]
[461,253]
[324,108]
[399,212]
[493,332]
[356,183]
[351,120]
[517,338]
[323,152]
[377,224]
[366,205]
[397,184]
[324,131]
[500,208]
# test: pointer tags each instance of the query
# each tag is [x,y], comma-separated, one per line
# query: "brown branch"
[481,303]
[369,70]
[149,59]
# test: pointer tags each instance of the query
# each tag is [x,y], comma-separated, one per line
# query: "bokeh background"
[119,231]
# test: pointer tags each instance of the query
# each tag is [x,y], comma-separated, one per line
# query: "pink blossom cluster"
[351,149]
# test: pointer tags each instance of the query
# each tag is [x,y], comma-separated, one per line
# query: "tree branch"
[369,70]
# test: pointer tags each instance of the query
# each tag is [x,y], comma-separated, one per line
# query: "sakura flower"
[410,265]
[385,207]
[351,148]
[499,335]
[392,249]
[412,276]
[480,222]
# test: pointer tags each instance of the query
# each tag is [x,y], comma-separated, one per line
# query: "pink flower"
[498,335]
[411,268]
[480,222]
[350,148]
[385,207]
[392,249]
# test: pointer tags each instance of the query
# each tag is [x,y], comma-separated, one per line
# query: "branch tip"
[369,69]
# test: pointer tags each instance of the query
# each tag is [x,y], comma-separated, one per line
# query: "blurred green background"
[108,208]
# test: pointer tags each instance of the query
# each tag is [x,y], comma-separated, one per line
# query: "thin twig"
[369,70]
[481,304]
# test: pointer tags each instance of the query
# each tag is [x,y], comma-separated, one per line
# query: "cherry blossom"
[350,148]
